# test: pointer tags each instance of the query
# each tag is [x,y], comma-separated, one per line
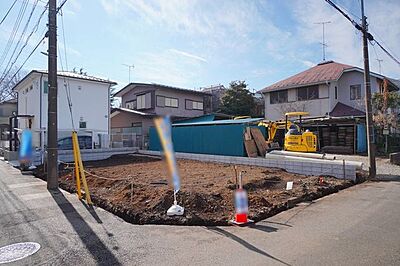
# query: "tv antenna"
[130,67]
[324,45]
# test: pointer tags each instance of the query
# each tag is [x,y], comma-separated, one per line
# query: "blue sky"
[199,43]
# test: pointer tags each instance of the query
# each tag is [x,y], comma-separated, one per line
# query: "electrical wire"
[66,81]
[22,65]
[5,16]
[61,6]
[14,31]
[369,35]
[34,30]
[21,37]
[35,48]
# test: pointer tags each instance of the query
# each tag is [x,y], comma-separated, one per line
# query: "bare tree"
[7,84]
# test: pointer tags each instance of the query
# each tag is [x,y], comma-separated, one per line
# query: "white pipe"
[358,165]
[304,155]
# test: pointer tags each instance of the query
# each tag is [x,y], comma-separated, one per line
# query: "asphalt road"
[358,226]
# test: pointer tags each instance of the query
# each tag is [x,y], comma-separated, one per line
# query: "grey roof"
[68,75]
[133,85]
[222,122]
[78,76]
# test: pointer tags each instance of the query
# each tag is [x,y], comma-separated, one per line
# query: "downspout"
[40,109]
[40,119]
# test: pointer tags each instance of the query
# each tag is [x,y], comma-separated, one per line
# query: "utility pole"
[52,152]
[324,45]
[129,66]
[368,107]
[379,63]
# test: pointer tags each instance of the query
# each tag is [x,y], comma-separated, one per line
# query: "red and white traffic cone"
[241,206]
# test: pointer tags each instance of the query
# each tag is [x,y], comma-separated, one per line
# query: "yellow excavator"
[296,139]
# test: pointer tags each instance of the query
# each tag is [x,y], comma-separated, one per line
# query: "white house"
[90,104]
[328,89]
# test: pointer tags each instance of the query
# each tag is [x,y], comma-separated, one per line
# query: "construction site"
[138,189]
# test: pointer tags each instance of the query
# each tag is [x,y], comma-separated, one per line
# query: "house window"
[278,97]
[143,101]
[355,92]
[160,101]
[163,101]
[335,93]
[307,93]
[45,87]
[171,102]
[131,105]
[193,105]
[82,124]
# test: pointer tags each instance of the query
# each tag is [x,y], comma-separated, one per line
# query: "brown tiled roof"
[326,71]
[342,109]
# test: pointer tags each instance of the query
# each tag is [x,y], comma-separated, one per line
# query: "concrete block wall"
[87,155]
[94,155]
[316,167]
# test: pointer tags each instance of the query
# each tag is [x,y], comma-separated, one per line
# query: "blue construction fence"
[225,139]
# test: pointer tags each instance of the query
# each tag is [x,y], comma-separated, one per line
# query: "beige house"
[141,102]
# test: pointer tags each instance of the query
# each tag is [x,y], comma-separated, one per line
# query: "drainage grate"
[18,251]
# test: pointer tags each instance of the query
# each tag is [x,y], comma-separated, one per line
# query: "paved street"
[358,226]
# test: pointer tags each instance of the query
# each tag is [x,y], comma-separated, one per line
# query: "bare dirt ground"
[138,189]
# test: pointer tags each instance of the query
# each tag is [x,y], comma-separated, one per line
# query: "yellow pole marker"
[81,169]
[78,179]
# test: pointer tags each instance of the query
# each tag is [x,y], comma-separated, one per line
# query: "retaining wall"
[306,168]
[87,155]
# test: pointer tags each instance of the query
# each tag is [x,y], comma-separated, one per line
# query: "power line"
[22,65]
[358,27]
[14,31]
[66,81]
[387,53]
[34,29]
[21,37]
[5,16]
[61,5]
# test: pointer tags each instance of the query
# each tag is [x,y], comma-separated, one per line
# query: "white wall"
[89,103]
[354,78]
[317,107]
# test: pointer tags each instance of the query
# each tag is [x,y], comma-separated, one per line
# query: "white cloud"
[216,24]
[192,56]
[166,68]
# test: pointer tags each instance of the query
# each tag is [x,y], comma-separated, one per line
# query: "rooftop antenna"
[130,67]
[379,63]
[324,45]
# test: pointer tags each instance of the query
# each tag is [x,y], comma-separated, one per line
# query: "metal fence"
[125,140]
